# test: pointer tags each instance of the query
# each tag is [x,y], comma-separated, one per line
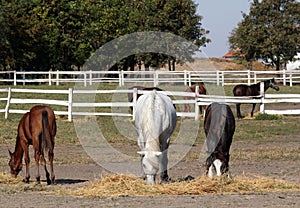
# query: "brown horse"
[252,90]
[37,128]
[202,91]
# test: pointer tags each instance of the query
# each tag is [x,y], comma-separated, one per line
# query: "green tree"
[270,31]
[63,34]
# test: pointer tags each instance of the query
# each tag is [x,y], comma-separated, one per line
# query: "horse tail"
[46,139]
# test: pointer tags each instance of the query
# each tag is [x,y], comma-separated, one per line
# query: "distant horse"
[130,95]
[219,127]
[155,121]
[38,128]
[252,90]
[202,91]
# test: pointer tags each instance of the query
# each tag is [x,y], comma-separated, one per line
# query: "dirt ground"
[78,174]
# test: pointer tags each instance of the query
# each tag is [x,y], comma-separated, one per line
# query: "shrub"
[263,116]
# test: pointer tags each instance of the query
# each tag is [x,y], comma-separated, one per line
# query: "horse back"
[155,120]
[36,118]
[202,89]
[241,90]
[219,127]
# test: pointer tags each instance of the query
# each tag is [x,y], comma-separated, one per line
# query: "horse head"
[15,166]
[150,164]
[273,84]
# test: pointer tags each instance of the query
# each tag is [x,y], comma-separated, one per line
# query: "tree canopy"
[270,31]
[63,34]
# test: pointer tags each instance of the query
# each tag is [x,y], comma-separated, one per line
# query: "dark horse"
[37,128]
[219,127]
[130,95]
[252,90]
[202,91]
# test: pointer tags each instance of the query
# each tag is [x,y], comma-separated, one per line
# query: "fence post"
[24,78]
[7,103]
[196,103]
[84,77]
[155,78]
[15,78]
[120,78]
[291,79]
[262,93]
[91,77]
[284,76]
[249,77]
[57,77]
[49,78]
[223,78]
[185,77]
[70,103]
[134,100]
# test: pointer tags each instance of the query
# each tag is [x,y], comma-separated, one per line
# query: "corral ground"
[73,175]
[267,152]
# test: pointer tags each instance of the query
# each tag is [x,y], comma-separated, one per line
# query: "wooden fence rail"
[74,107]
[186,77]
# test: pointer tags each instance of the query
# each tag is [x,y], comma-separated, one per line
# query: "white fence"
[72,107]
[155,77]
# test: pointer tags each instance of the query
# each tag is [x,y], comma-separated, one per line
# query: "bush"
[263,116]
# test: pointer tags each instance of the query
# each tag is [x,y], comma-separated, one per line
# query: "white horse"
[155,121]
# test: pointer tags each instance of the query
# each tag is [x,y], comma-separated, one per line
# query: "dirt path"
[83,171]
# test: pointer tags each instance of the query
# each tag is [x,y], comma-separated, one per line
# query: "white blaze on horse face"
[150,164]
[150,179]
[217,163]
[211,171]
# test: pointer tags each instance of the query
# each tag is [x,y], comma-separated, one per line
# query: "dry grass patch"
[7,179]
[125,185]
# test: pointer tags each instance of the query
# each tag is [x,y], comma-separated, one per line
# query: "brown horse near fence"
[202,91]
[252,90]
[37,128]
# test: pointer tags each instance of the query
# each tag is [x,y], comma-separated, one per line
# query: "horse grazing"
[202,91]
[37,128]
[155,121]
[252,90]
[219,127]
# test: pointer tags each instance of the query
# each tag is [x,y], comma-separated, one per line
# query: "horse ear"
[10,153]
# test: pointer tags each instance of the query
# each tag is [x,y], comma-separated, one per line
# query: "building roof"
[234,54]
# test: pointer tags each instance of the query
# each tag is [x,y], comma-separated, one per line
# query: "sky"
[220,17]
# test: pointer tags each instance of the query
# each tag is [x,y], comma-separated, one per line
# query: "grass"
[259,131]
[277,132]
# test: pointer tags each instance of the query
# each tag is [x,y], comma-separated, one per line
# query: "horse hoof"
[25,180]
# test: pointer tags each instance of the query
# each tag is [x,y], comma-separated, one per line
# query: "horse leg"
[37,170]
[186,108]
[43,163]
[238,110]
[143,172]
[163,166]
[51,156]
[27,161]
[253,107]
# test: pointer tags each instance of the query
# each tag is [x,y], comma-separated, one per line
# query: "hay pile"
[125,185]
[7,179]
